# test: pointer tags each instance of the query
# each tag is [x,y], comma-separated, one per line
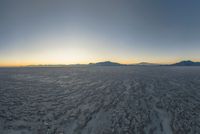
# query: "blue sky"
[83,31]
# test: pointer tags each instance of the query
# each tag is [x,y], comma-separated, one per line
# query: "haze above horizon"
[84,31]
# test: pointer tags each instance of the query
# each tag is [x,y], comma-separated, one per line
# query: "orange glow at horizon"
[42,62]
[82,51]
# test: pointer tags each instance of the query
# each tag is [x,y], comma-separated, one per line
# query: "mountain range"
[186,63]
[181,63]
[109,63]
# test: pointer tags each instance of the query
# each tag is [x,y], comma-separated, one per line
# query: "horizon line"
[29,65]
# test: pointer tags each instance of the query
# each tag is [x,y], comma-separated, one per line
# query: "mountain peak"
[187,63]
[106,63]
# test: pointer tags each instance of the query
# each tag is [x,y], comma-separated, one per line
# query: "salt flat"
[100,100]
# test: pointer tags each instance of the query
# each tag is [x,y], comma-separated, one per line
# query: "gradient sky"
[83,31]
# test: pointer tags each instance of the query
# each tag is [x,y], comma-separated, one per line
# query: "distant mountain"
[106,63]
[146,64]
[109,63]
[186,63]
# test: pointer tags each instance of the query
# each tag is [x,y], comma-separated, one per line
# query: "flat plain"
[100,100]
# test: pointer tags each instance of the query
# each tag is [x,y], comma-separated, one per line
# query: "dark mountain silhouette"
[146,64]
[110,63]
[186,63]
[106,63]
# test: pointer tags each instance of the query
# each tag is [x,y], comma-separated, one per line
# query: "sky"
[83,31]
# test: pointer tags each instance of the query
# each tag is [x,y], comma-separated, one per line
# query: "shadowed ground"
[100,100]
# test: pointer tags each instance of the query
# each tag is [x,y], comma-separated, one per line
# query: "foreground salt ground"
[100,100]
